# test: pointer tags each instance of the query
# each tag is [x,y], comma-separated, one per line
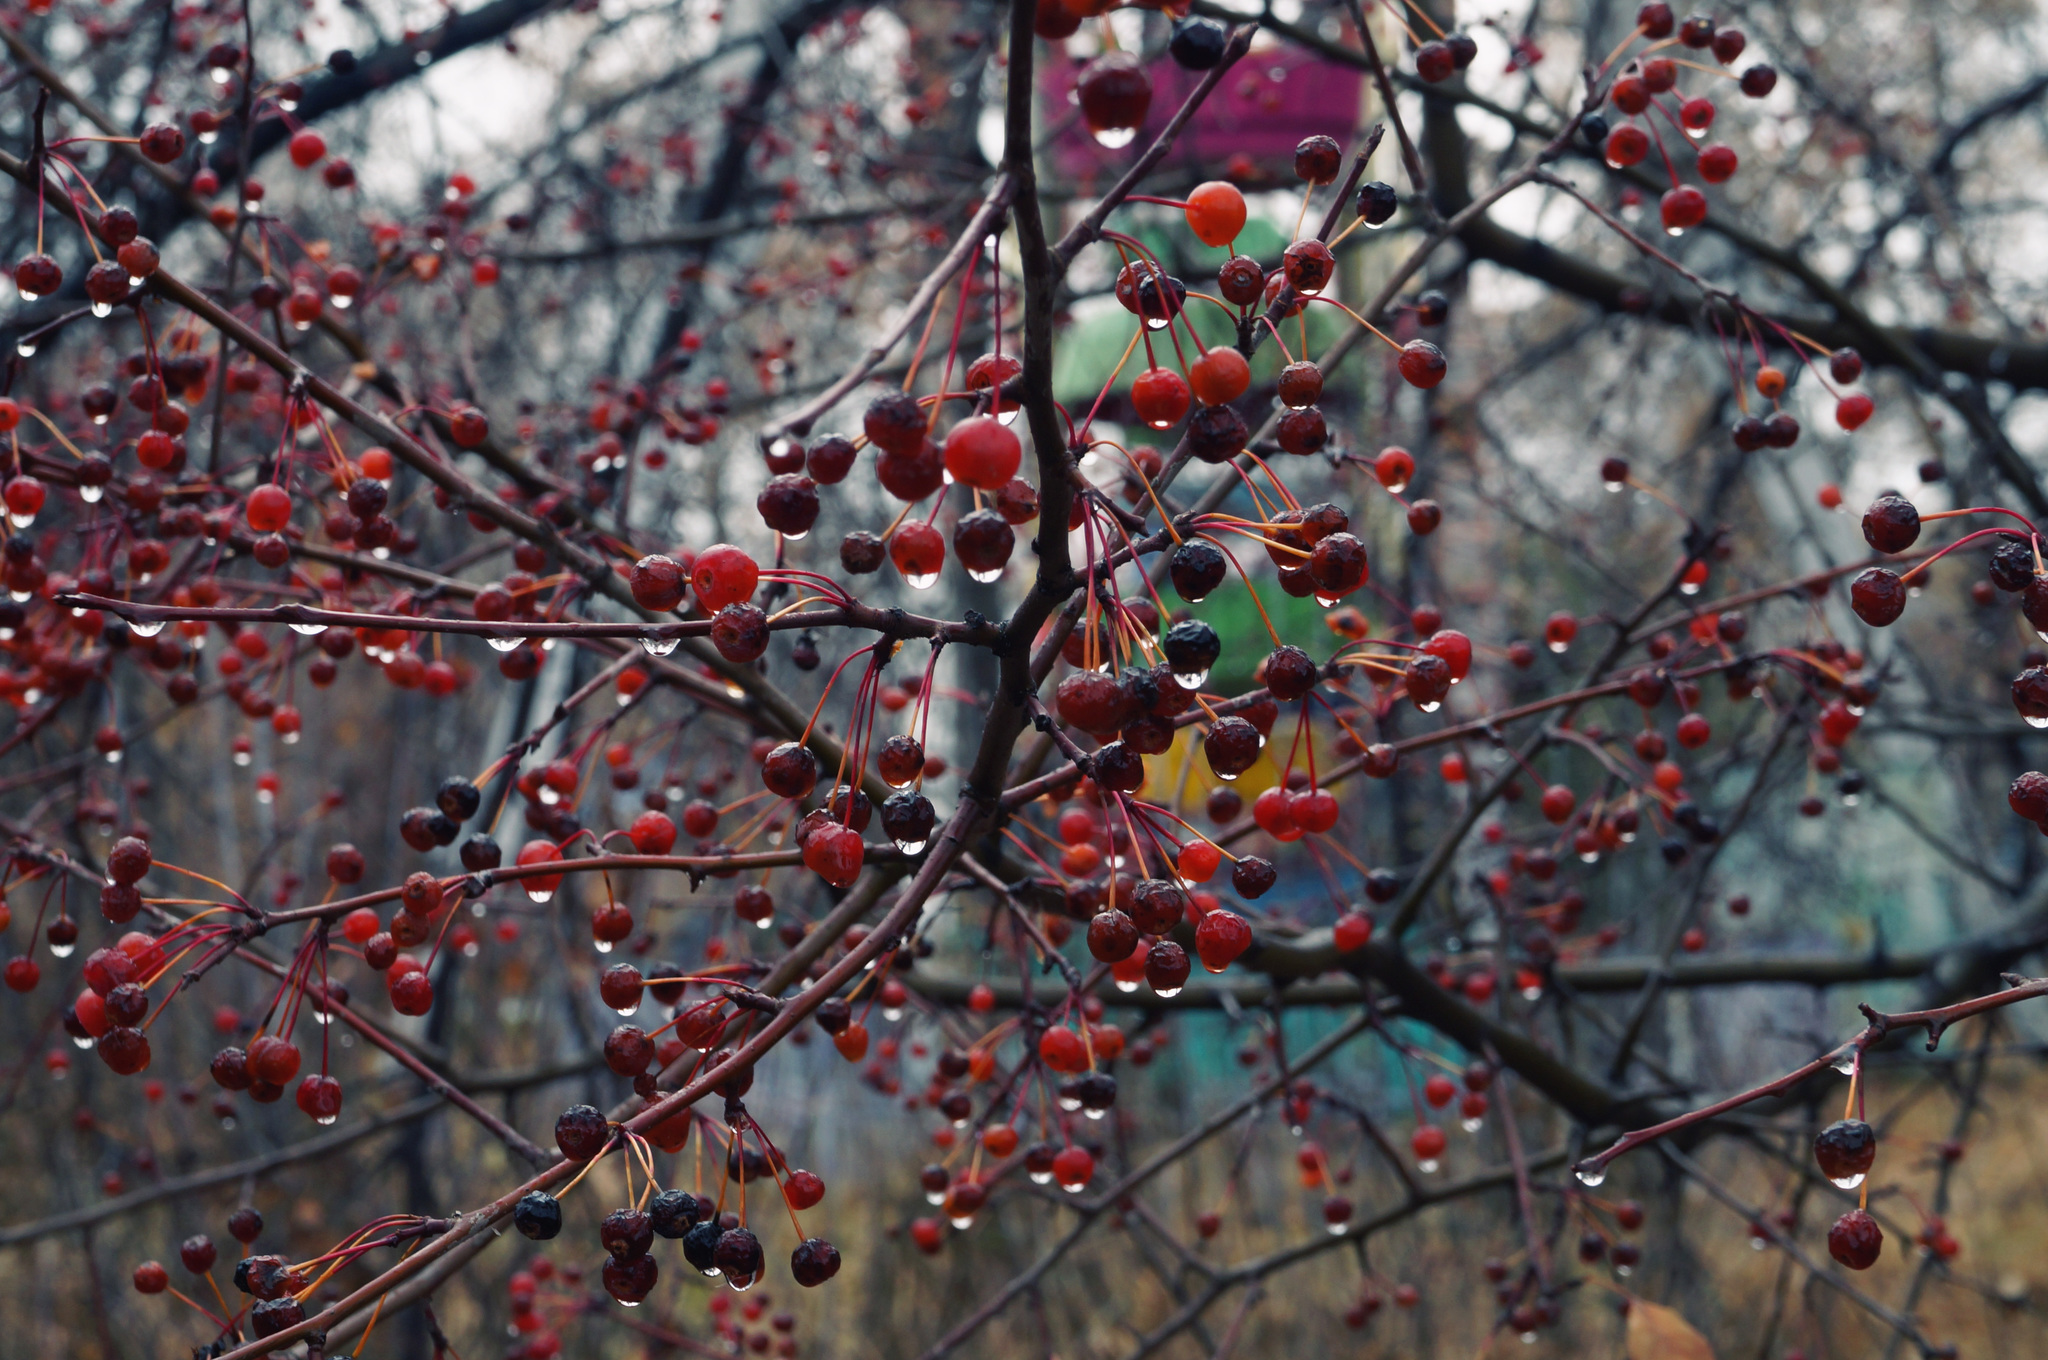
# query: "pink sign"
[1247,130]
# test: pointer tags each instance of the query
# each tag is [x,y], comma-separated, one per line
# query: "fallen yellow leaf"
[1659,1333]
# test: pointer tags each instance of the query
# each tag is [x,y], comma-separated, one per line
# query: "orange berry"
[1215,213]
[1219,376]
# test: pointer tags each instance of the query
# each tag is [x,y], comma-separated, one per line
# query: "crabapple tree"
[1020,678]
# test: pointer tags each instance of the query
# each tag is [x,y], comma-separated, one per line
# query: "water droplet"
[1471,1125]
[963,1224]
[342,301]
[243,758]
[1113,137]
[1166,993]
[20,521]
[91,494]
[921,580]
[1226,778]
[501,644]
[1070,1103]
[1432,706]
[1427,1166]
[1398,487]
[1757,1244]
[2033,721]
[1327,601]
[147,630]
[1624,1272]
[892,1013]
[1592,1177]
[796,538]
[911,847]
[82,1040]
[1846,1182]
[1558,647]
[986,576]
[550,795]
[939,1197]
[1006,417]
[1589,857]
[742,1283]
[265,796]
[1613,486]
[1846,1063]
[309,629]
[539,895]
[657,646]
[113,757]
[1695,133]
[21,596]
[227,1121]
[102,309]
[1037,1178]
[1123,986]
[1689,588]
[1191,679]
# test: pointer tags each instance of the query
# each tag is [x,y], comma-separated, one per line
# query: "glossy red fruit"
[269,509]
[1115,95]
[652,833]
[468,427]
[1215,212]
[1682,208]
[1073,1168]
[307,148]
[834,853]
[1309,267]
[1422,364]
[982,452]
[1221,375]
[1855,1240]
[918,552]
[723,575]
[1221,938]
[319,1097]
[1717,164]
[1626,146]
[1161,397]
[1878,597]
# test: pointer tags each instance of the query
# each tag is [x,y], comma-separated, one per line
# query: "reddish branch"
[1935,1022]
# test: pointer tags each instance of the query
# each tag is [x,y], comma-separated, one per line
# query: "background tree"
[637,421]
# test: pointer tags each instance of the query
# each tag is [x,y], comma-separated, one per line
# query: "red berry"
[982,452]
[1221,938]
[1216,212]
[1161,397]
[1422,364]
[307,148]
[723,575]
[1683,208]
[269,509]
